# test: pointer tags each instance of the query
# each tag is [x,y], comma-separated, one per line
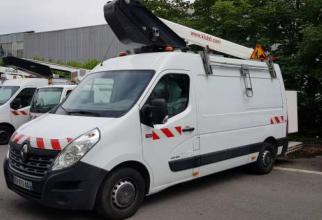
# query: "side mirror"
[155,112]
[16,103]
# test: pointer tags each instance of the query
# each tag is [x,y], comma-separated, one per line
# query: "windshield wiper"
[82,112]
[61,106]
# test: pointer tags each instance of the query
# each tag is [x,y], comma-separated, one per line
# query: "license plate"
[22,183]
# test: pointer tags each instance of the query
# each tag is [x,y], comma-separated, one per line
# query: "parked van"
[158,124]
[144,122]
[48,97]
[15,99]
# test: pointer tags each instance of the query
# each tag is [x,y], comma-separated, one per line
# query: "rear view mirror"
[155,112]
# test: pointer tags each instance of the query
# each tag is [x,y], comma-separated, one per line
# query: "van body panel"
[120,142]
[169,141]
[63,126]
[19,116]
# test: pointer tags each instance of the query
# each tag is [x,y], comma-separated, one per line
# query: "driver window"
[23,99]
[174,88]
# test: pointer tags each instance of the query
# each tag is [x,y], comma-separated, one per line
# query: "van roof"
[26,82]
[59,86]
[168,60]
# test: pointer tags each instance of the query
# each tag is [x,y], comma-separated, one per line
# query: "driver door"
[171,148]
[20,107]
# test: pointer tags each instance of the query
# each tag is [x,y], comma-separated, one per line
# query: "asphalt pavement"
[292,191]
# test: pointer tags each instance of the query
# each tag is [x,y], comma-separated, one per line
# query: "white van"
[141,123]
[48,97]
[159,124]
[15,99]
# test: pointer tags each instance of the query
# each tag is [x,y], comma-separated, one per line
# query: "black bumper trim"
[218,156]
[74,188]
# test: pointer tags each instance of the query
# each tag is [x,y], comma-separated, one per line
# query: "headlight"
[76,150]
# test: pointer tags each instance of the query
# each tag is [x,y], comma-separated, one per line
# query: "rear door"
[170,148]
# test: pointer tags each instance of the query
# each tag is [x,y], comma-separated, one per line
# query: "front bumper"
[74,188]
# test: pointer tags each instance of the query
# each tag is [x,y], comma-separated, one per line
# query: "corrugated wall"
[80,44]
[12,44]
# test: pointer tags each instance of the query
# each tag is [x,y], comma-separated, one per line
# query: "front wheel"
[121,194]
[266,159]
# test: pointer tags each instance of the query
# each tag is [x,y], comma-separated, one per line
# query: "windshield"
[6,92]
[45,99]
[107,94]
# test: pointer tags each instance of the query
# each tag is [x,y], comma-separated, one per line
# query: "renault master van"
[141,123]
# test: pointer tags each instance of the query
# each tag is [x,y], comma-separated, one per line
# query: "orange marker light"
[195,174]
[168,49]
[123,54]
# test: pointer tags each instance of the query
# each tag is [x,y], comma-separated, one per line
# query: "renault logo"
[24,152]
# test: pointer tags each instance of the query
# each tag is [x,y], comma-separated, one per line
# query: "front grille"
[34,165]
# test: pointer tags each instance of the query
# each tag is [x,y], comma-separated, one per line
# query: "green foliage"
[293,27]
[86,65]
[1,62]
[90,64]
[176,10]
[38,58]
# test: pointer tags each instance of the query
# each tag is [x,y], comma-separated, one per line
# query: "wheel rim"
[3,135]
[123,194]
[267,158]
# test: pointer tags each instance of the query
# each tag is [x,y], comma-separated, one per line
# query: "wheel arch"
[272,141]
[141,168]
[8,125]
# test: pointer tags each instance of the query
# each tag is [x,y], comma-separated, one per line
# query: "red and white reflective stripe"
[165,133]
[49,144]
[277,120]
[18,138]
[19,112]
[42,143]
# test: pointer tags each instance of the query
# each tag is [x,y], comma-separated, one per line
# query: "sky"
[47,15]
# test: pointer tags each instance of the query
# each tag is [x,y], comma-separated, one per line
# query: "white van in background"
[15,99]
[48,97]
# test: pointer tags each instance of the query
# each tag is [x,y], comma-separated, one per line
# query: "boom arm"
[214,43]
[134,24]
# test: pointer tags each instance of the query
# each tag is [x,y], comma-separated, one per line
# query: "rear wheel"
[266,159]
[5,134]
[121,194]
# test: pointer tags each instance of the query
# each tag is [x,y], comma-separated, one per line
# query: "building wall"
[12,44]
[79,44]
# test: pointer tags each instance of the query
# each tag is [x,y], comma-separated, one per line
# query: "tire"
[121,194]
[266,159]
[5,134]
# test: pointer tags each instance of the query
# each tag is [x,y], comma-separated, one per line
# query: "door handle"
[188,129]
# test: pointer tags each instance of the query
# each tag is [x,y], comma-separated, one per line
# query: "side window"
[23,99]
[174,88]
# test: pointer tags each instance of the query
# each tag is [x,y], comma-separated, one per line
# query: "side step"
[293,147]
